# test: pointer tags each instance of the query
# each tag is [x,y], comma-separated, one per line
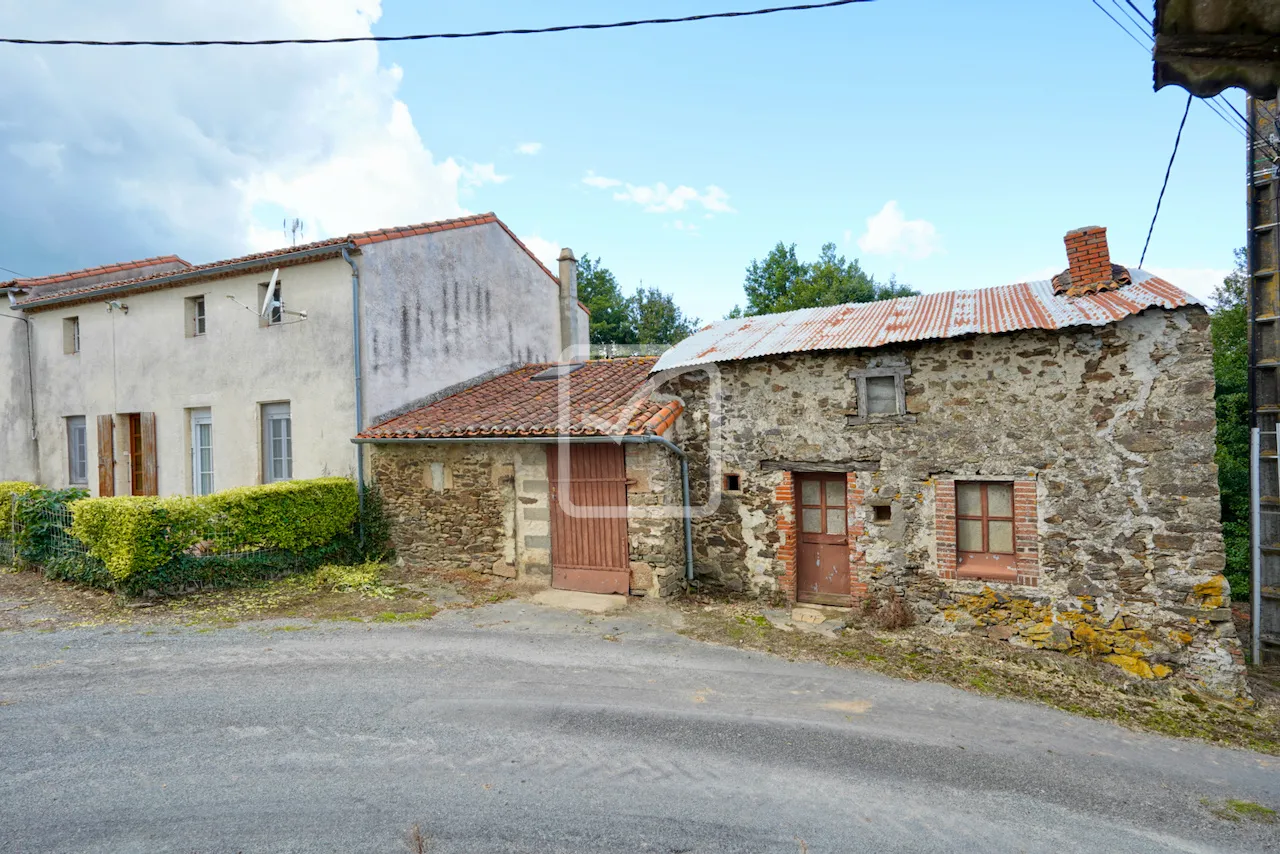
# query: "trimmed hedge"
[8,489]
[148,543]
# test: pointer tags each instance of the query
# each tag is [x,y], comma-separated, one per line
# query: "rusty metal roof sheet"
[1030,305]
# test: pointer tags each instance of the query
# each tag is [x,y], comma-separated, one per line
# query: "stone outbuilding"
[1034,462]
[557,474]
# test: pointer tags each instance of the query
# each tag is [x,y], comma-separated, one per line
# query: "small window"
[195,317]
[733,483]
[71,335]
[881,514]
[882,396]
[274,313]
[277,442]
[77,450]
[201,451]
[984,530]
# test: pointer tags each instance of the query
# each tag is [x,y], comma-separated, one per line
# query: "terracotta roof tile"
[105,269]
[604,397]
[216,268]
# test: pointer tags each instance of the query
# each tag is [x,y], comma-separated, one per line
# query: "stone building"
[557,474]
[1035,462]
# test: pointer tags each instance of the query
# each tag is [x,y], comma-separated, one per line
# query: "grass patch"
[1234,810]
[1076,685]
[405,616]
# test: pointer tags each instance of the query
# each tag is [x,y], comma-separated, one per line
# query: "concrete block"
[596,603]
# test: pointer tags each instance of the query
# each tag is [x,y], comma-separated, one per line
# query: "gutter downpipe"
[576,440]
[31,381]
[355,358]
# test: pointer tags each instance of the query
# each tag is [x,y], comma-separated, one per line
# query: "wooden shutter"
[106,455]
[150,474]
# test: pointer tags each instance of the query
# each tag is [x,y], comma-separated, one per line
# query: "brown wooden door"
[589,548]
[144,472]
[822,518]
[106,455]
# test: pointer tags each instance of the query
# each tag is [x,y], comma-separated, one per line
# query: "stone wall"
[467,506]
[485,506]
[1109,432]
[654,521]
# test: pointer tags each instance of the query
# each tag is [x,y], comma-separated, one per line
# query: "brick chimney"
[1089,267]
[568,305]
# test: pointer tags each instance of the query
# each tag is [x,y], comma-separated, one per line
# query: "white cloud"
[659,198]
[1197,281]
[690,227]
[889,232]
[203,152]
[529,148]
[599,181]
[547,251]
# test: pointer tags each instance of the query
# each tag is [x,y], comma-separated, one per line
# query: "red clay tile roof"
[243,264]
[605,397]
[103,270]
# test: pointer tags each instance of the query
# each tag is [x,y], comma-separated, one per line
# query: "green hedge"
[8,489]
[228,537]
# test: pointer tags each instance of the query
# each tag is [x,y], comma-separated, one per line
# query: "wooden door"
[143,467]
[822,518]
[106,455]
[589,547]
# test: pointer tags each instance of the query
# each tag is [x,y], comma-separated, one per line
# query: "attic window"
[881,394]
[555,372]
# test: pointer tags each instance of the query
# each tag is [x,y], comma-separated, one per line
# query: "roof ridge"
[71,275]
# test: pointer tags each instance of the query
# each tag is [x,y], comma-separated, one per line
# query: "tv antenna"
[293,229]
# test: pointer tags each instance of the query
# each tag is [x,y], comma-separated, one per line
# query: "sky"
[951,145]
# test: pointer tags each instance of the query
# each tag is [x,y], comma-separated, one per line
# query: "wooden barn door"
[589,551]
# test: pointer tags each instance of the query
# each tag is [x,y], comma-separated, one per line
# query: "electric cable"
[1168,169]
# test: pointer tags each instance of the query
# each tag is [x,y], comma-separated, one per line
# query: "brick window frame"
[1026,536]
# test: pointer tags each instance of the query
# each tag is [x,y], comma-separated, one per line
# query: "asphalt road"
[513,728]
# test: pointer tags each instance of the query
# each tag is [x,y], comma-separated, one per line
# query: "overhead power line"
[1168,169]
[802,7]
[15,272]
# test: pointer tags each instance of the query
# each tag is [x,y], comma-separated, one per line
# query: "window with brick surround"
[987,530]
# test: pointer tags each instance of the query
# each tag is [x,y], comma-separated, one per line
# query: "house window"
[195,317]
[984,530]
[733,483]
[71,335]
[201,451]
[881,394]
[277,442]
[77,450]
[882,514]
[274,313]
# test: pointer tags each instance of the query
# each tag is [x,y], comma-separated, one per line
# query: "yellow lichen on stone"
[1131,664]
[1211,593]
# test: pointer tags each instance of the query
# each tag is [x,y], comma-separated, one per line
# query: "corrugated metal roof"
[1008,308]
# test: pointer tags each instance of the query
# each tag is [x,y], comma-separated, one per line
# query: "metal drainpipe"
[31,388]
[355,347]
[579,440]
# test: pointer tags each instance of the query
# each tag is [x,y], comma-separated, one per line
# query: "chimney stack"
[1089,269]
[568,305]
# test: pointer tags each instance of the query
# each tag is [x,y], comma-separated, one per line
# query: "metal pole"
[1255,539]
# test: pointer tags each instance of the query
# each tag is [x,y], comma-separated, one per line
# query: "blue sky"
[975,135]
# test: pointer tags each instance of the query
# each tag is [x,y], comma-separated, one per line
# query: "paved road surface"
[512,728]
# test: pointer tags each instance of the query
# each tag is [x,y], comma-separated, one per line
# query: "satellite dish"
[269,302]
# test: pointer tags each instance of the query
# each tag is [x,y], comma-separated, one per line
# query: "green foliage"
[1229,329]
[363,578]
[782,282]
[227,538]
[375,527]
[39,515]
[8,489]
[650,316]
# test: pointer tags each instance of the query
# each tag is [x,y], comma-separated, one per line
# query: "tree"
[1229,329]
[600,293]
[783,283]
[656,319]
[649,316]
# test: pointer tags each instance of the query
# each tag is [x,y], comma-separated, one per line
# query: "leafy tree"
[1229,329]
[599,291]
[782,282]
[649,316]
[656,319]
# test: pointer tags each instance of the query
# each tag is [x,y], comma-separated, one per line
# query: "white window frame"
[277,442]
[197,316]
[864,416]
[71,335]
[77,450]
[201,418]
